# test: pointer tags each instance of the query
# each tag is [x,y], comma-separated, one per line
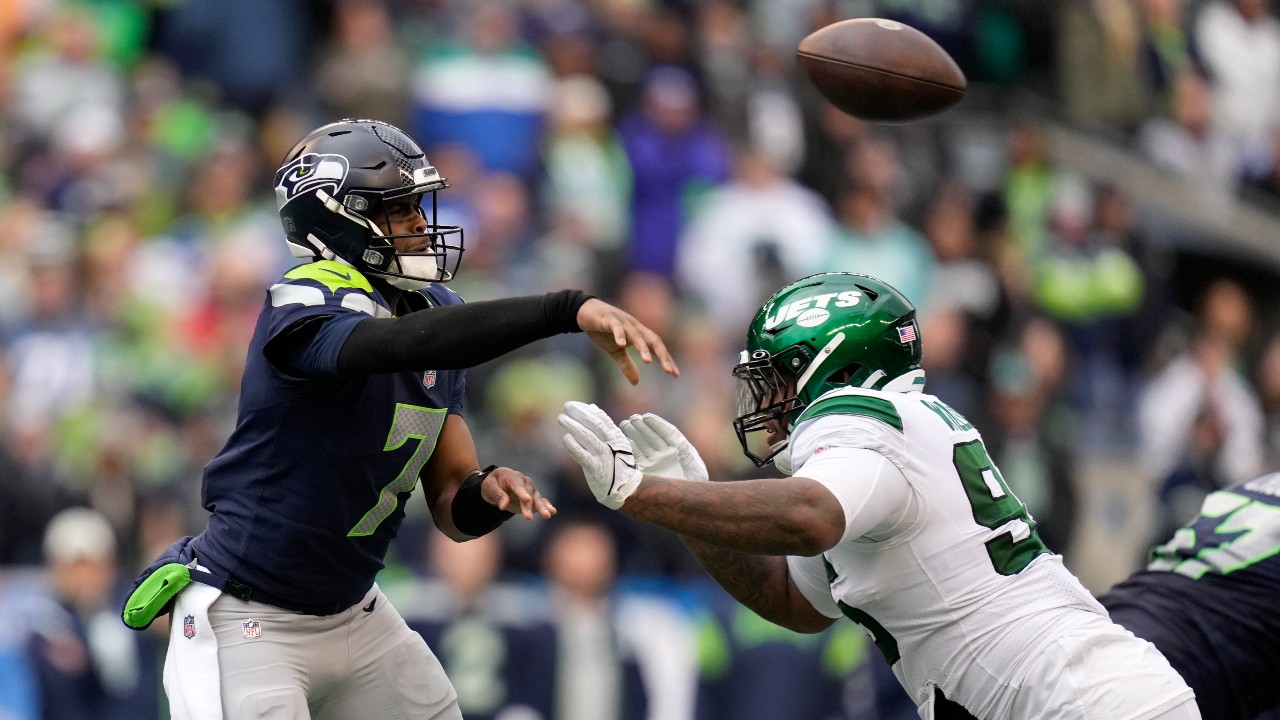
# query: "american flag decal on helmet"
[907,333]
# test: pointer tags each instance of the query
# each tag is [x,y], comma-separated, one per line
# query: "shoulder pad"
[438,295]
[331,274]
[851,401]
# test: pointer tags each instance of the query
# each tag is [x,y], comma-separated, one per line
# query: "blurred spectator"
[749,237]
[255,53]
[1167,47]
[872,239]
[499,655]
[831,138]
[87,663]
[1028,190]
[364,73]
[65,95]
[965,240]
[676,156]
[945,361]
[1087,282]
[488,91]
[51,352]
[1201,426]
[752,669]
[724,57]
[1188,143]
[1267,380]
[1239,44]
[1101,74]
[620,657]
[1031,437]
[522,399]
[588,176]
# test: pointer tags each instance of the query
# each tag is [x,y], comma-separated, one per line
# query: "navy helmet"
[335,191]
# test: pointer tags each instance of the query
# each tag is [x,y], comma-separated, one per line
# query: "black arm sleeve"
[457,336]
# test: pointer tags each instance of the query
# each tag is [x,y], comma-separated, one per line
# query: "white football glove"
[661,449]
[605,454]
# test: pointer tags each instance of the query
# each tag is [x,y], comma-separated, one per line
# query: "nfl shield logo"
[252,629]
[429,379]
[189,626]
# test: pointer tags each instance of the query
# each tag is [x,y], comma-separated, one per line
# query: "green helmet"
[819,333]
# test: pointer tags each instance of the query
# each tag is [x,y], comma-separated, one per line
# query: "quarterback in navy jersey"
[1208,598]
[352,393]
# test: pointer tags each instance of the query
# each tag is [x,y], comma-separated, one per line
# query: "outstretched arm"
[463,336]
[761,583]
[795,516]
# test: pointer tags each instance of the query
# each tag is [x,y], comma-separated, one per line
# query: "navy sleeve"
[311,313]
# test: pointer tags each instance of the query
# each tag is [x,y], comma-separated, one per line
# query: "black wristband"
[472,514]
[561,310]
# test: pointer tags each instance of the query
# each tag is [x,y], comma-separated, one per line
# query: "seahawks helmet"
[335,190]
[820,333]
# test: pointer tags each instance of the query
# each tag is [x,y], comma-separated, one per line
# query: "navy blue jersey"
[1208,601]
[310,489]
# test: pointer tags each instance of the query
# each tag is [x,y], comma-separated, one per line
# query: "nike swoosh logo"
[621,456]
[369,608]
[346,276]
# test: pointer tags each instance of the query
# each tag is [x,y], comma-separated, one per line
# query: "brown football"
[881,70]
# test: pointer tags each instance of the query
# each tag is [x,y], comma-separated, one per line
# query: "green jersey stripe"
[864,405]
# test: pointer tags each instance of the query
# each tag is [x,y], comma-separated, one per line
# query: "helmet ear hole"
[846,373]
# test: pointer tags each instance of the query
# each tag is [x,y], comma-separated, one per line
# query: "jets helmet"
[335,192]
[817,334]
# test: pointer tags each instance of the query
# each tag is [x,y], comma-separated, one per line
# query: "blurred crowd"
[668,157]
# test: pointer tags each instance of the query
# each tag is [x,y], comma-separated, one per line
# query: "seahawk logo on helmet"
[817,334]
[310,172]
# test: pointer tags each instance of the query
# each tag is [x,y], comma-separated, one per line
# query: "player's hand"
[661,449]
[514,491]
[604,453]
[613,331]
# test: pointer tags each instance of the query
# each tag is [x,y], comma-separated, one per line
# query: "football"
[881,70]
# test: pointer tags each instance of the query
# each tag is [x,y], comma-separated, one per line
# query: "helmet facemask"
[436,250]
[766,394]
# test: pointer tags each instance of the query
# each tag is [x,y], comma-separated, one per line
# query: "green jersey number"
[1232,532]
[410,423]
[996,507]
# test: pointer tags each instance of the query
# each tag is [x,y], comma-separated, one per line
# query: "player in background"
[1208,601]
[894,517]
[352,392]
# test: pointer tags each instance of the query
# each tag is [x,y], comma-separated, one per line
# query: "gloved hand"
[661,449]
[605,454]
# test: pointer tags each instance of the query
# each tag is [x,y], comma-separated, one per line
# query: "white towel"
[191,676]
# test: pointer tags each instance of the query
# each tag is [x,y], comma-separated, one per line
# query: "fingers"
[651,439]
[627,366]
[624,330]
[637,434]
[668,433]
[589,417]
[580,454]
[655,343]
[520,488]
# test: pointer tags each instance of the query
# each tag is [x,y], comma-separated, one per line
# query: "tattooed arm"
[762,583]
[739,532]
[795,516]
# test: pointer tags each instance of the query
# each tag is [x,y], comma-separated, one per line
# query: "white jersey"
[951,581]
